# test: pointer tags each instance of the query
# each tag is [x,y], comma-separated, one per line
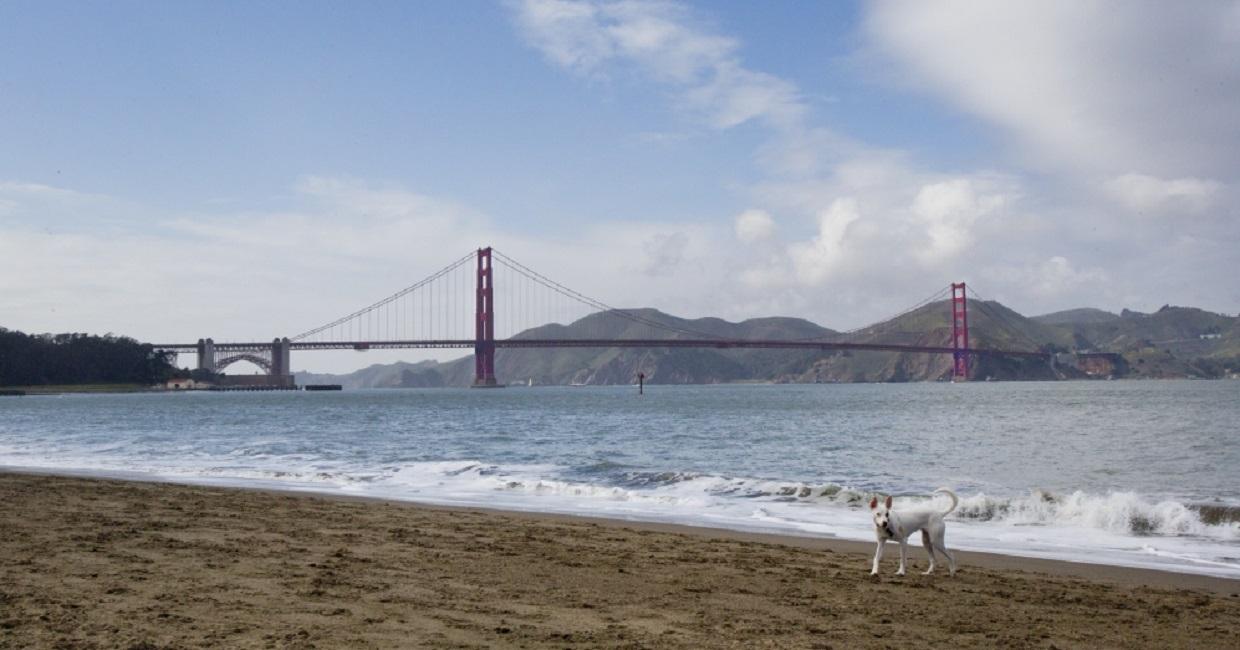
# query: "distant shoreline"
[101,389]
[768,382]
[63,389]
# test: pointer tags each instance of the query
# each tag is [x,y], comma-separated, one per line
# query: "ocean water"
[1129,473]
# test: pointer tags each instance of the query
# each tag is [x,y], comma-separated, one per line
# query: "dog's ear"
[873,503]
[888,502]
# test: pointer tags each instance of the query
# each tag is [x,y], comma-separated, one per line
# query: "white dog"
[889,524]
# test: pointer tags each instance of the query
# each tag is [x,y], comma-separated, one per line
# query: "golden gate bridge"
[462,306]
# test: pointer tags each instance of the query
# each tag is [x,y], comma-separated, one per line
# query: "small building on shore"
[185,383]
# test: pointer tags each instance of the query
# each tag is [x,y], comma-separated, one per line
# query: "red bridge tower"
[484,323]
[960,333]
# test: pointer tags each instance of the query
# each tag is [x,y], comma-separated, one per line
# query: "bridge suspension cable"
[846,335]
[595,304]
[986,307]
[941,294]
[443,309]
[386,315]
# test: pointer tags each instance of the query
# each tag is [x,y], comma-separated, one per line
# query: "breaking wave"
[1126,513]
[618,483]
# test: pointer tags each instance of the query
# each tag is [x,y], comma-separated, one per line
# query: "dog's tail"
[955,500]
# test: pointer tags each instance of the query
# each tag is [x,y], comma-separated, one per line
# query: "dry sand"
[97,563]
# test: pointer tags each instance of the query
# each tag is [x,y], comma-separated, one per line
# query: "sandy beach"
[88,563]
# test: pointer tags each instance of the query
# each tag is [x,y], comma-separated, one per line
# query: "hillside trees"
[49,359]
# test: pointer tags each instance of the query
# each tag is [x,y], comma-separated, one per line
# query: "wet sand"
[88,563]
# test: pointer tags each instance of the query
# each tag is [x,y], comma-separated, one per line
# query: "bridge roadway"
[604,343]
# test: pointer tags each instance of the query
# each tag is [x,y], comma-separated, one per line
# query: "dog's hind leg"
[937,540]
[951,559]
[925,541]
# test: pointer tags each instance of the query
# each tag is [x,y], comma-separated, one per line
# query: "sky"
[242,171]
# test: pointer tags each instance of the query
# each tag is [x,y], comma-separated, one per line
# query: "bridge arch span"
[255,359]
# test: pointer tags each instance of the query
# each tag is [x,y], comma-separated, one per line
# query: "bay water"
[1129,473]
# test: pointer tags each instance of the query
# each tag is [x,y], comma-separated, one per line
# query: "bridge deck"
[607,343]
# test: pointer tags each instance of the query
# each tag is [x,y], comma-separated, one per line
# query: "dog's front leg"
[878,556]
[903,553]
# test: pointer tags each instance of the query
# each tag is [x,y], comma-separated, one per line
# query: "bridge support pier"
[484,323]
[206,355]
[280,358]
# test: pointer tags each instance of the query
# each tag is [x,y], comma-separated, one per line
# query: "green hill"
[1074,316]
[991,325]
[1171,342]
[424,374]
[611,366]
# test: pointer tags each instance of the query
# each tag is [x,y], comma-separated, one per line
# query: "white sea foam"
[1125,513]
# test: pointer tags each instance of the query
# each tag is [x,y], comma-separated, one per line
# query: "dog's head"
[882,515]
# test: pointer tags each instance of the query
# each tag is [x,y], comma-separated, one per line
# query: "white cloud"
[583,36]
[885,232]
[660,40]
[947,212]
[51,207]
[1057,276]
[565,33]
[736,95]
[765,276]
[1141,193]
[1092,87]
[817,259]
[665,253]
[754,226]
[30,190]
[1051,280]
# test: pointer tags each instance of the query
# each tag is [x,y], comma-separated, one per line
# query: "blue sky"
[835,161]
[185,106]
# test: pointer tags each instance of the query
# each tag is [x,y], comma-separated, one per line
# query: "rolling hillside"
[1171,342]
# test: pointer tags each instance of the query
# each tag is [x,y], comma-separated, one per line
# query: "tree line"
[59,359]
